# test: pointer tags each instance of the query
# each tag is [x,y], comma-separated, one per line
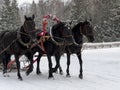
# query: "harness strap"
[10,64]
[8,46]
[42,40]
[19,39]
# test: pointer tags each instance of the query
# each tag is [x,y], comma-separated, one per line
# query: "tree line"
[104,15]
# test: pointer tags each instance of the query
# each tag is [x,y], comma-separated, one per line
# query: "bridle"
[26,29]
[26,33]
[86,31]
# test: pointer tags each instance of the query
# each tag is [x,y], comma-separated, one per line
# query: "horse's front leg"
[57,59]
[80,62]
[30,57]
[18,67]
[50,67]
[68,65]
[38,65]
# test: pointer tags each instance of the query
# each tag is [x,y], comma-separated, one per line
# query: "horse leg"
[60,70]
[80,62]
[57,59]
[4,66]
[68,64]
[50,67]
[30,69]
[38,63]
[6,59]
[18,67]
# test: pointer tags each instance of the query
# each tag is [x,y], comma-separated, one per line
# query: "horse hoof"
[61,73]
[27,73]
[20,78]
[56,72]
[51,78]
[6,75]
[81,76]
[38,73]
[68,75]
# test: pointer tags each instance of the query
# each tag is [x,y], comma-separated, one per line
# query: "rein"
[68,36]
[19,39]
[8,46]
[52,37]
[27,34]
[27,30]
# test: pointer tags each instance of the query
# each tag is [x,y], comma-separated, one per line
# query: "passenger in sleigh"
[43,35]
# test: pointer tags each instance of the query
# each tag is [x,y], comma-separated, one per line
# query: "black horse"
[60,36]
[18,42]
[78,31]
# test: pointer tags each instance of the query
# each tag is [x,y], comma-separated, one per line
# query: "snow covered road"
[101,70]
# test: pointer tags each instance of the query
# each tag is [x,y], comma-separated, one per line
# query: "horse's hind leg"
[18,67]
[80,62]
[4,67]
[57,59]
[30,57]
[68,64]
[60,70]
[50,67]
[6,59]
[38,65]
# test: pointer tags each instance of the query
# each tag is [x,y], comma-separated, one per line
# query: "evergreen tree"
[10,19]
[76,12]
[34,11]
[5,22]
[107,21]
[79,10]
[15,15]
[114,20]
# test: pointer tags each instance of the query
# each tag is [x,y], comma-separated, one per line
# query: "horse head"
[87,29]
[27,33]
[61,33]
[29,26]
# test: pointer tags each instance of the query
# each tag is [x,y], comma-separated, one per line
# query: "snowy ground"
[101,72]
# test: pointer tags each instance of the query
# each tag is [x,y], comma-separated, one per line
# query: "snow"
[100,70]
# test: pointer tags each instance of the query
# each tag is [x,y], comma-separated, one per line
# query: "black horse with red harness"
[18,42]
[59,36]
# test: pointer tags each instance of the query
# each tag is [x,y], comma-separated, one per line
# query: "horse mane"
[86,22]
[58,25]
[76,33]
[80,24]
[77,26]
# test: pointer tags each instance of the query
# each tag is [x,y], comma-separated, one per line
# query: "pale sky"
[23,1]
[29,1]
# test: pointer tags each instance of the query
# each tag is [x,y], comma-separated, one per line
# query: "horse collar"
[21,42]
